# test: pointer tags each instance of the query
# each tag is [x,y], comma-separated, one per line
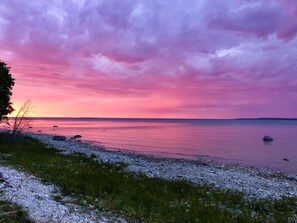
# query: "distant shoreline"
[265,119]
[158,119]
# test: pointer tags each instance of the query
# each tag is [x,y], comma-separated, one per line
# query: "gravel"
[37,199]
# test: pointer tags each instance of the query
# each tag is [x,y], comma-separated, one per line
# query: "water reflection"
[233,140]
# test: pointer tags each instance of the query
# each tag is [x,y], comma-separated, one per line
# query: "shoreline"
[202,159]
[253,182]
[45,199]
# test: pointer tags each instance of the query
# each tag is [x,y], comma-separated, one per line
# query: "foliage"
[110,187]
[12,213]
[6,84]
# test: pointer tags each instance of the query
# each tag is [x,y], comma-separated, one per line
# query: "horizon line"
[159,118]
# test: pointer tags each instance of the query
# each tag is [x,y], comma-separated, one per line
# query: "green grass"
[12,213]
[137,196]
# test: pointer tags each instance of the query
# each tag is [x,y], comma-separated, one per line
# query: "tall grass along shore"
[12,213]
[111,187]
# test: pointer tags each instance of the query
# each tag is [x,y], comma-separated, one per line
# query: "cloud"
[260,19]
[200,55]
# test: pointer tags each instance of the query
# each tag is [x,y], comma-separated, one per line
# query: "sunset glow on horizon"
[152,59]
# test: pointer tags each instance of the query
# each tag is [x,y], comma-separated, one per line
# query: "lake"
[231,141]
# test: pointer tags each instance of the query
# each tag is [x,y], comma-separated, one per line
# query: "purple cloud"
[199,54]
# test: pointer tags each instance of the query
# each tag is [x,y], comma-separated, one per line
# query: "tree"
[6,84]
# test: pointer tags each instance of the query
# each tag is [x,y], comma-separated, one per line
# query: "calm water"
[235,141]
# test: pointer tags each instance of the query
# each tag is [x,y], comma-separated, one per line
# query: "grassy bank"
[110,187]
[12,213]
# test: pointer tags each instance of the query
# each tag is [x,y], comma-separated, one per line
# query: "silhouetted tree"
[6,84]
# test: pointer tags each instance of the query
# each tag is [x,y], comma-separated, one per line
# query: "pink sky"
[152,58]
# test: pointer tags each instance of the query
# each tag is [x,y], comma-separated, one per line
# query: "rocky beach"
[37,197]
[253,182]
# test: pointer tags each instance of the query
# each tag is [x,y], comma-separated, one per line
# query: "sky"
[152,58]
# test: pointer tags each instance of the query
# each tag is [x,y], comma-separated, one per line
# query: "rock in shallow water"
[59,138]
[75,137]
[267,139]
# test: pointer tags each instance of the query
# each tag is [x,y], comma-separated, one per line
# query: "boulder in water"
[75,137]
[267,139]
[59,138]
